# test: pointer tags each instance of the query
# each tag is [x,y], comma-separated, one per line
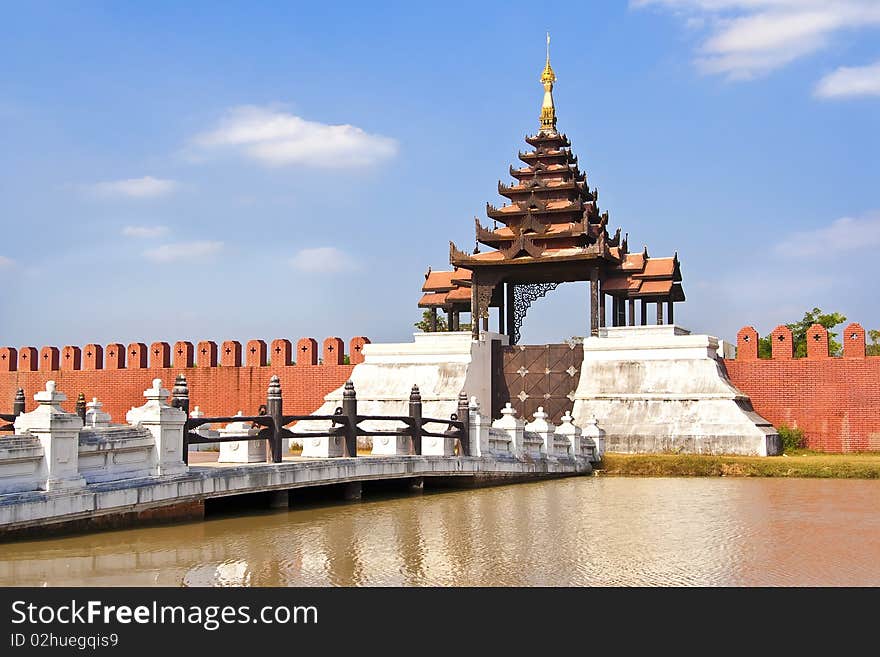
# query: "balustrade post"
[18,403]
[274,404]
[81,407]
[464,417]
[180,394]
[180,400]
[415,412]
[349,410]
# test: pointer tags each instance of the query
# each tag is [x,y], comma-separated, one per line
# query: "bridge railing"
[345,421]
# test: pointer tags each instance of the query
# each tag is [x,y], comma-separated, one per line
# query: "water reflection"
[582,531]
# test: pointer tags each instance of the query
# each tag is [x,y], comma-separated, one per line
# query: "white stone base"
[660,389]
[243,451]
[327,447]
[434,446]
[21,464]
[392,445]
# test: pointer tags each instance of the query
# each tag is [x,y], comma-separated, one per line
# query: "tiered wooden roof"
[638,276]
[550,229]
[445,289]
[552,212]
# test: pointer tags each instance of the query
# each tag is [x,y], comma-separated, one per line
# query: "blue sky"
[239,170]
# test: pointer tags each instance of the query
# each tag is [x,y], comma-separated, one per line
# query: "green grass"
[799,463]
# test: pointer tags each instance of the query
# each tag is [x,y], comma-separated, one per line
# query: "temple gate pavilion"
[552,231]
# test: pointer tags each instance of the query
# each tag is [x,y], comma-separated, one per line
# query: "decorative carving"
[484,234]
[530,222]
[520,244]
[455,253]
[615,241]
[484,298]
[524,295]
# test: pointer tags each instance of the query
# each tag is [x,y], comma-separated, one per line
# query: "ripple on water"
[579,531]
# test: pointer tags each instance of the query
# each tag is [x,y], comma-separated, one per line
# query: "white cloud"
[751,37]
[849,81]
[183,250]
[324,259]
[6,262]
[274,138]
[146,187]
[145,231]
[843,236]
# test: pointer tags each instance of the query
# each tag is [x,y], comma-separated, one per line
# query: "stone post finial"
[50,396]
[594,436]
[94,416]
[545,430]
[474,404]
[156,392]
[513,426]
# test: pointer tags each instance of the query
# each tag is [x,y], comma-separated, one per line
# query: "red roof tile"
[431,300]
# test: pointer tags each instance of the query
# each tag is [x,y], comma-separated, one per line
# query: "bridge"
[63,471]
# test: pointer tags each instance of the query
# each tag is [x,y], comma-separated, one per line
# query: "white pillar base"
[392,445]
[433,446]
[323,448]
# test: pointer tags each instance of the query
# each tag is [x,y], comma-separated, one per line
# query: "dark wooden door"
[529,376]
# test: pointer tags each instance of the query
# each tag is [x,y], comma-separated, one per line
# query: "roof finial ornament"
[548,109]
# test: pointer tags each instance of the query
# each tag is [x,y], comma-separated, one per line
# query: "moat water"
[578,531]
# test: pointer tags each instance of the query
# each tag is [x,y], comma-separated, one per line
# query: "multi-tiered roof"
[552,212]
[551,229]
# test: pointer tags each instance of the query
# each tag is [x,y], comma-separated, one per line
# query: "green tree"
[799,334]
[873,349]
[425,323]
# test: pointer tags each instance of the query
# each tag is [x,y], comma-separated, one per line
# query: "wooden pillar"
[510,309]
[632,312]
[621,312]
[449,319]
[433,322]
[501,311]
[594,301]
[456,320]
[644,313]
[670,315]
[602,308]
[475,308]
[659,311]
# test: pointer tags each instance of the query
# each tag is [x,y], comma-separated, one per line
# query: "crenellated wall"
[835,401]
[222,378]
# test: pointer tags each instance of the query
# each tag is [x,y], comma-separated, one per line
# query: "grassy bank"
[798,464]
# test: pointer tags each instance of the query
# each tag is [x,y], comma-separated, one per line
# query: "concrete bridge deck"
[129,501]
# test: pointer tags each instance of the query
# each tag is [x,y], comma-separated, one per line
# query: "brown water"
[579,531]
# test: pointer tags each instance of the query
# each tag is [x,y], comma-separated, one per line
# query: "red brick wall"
[835,401]
[216,390]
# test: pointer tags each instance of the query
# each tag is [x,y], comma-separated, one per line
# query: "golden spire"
[548,109]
